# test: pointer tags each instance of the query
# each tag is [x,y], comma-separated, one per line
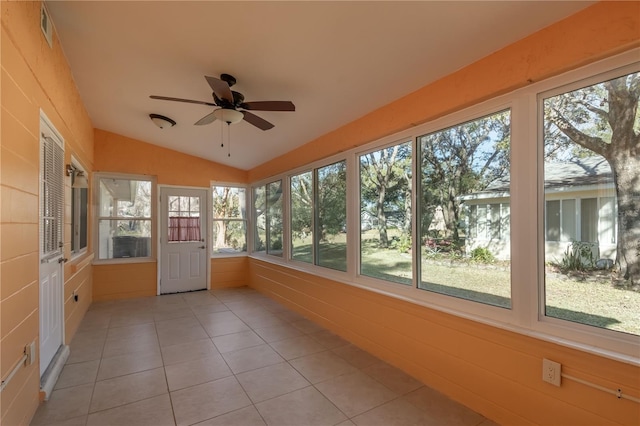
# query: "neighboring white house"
[580,205]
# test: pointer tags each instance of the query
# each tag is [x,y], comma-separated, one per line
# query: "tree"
[331,209]
[461,160]
[384,176]
[604,119]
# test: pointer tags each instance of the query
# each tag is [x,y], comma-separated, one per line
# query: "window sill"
[123,261]
[80,261]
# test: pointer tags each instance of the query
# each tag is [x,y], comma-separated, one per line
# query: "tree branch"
[596,145]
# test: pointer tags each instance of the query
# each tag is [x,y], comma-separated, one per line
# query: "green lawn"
[595,302]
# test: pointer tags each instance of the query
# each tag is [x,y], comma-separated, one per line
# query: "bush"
[402,243]
[578,257]
[482,255]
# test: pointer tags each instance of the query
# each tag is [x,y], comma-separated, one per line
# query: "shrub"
[482,255]
[578,257]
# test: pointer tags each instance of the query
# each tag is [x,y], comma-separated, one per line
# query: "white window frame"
[246,220]
[527,228]
[76,212]
[97,177]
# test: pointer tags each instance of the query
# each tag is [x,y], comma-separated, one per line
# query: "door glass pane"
[184,219]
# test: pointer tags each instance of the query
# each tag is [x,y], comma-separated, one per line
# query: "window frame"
[76,210]
[153,223]
[526,216]
[608,343]
[246,220]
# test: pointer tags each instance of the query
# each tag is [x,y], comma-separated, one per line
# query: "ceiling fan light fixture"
[229,116]
[161,121]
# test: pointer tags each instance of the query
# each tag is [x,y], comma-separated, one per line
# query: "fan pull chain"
[229,140]
[221,136]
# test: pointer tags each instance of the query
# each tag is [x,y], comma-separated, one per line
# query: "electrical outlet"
[551,372]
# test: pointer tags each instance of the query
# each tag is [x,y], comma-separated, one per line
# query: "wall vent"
[46,25]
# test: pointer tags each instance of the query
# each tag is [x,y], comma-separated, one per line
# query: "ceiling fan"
[229,101]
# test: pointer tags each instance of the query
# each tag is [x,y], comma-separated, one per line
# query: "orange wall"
[124,280]
[229,272]
[595,33]
[33,77]
[170,168]
[493,371]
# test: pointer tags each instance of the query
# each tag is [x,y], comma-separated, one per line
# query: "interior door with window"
[183,247]
[51,244]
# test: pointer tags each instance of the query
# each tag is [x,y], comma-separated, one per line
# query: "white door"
[183,236]
[51,244]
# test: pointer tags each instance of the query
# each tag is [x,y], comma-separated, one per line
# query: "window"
[184,219]
[229,220]
[124,217]
[79,211]
[274,218]
[385,214]
[591,253]
[318,231]
[331,216]
[464,210]
[267,213]
[302,217]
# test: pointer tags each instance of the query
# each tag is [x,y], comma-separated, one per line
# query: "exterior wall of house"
[115,280]
[606,228]
[34,77]
[493,371]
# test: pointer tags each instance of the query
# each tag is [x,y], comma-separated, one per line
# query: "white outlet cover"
[551,372]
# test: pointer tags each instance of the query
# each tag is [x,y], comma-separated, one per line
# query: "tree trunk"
[382,219]
[626,172]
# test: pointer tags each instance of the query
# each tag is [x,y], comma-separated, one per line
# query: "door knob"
[202,247]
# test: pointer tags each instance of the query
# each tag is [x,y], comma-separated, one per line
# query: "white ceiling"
[336,61]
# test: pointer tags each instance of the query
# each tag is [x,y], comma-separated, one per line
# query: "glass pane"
[464,211]
[229,202]
[568,220]
[590,276]
[229,236]
[125,198]
[260,223]
[302,217]
[274,218]
[553,220]
[385,214]
[331,216]
[79,206]
[124,238]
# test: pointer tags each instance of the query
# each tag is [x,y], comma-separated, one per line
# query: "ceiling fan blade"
[260,123]
[209,118]
[220,88]
[189,101]
[269,106]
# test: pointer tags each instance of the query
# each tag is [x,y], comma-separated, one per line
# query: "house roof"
[580,172]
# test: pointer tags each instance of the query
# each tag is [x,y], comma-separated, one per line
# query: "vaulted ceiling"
[336,61]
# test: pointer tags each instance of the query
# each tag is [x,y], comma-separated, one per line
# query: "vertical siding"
[33,77]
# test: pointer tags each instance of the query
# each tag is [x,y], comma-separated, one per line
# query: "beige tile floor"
[230,357]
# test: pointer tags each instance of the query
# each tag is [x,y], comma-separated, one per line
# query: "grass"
[593,301]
